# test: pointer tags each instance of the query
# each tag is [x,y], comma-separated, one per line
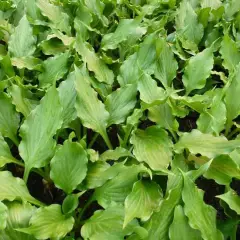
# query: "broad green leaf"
[198,70]
[115,154]
[212,120]
[230,53]
[9,118]
[49,222]
[214,4]
[32,10]
[28,62]
[150,93]
[221,170]
[54,69]
[232,199]
[18,215]
[3,216]
[231,7]
[94,62]
[89,108]
[180,228]
[159,223]
[37,131]
[143,61]
[120,103]
[100,172]
[205,144]
[12,188]
[70,203]
[229,228]
[201,216]
[233,106]
[67,95]
[69,166]
[22,41]
[142,201]
[96,7]
[189,30]
[56,15]
[107,224]
[52,46]
[152,146]
[125,29]
[6,66]
[22,99]
[117,189]
[166,65]
[5,154]
[162,115]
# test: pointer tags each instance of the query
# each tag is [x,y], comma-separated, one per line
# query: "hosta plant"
[119,119]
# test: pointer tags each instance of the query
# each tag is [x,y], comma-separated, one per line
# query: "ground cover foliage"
[119,119]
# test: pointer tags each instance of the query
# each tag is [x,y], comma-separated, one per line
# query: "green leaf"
[28,62]
[142,201]
[12,188]
[232,199]
[54,68]
[67,95]
[49,222]
[69,166]
[96,7]
[180,228]
[205,144]
[214,4]
[151,143]
[150,93]
[107,224]
[94,63]
[9,118]
[201,216]
[89,108]
[117,189]
[3,216]
[22,99]
[120,103]
[115,154]
[231,7]
[230,53]
[100,172]
[212,120]
[22,42]
[166,65]
[222,169]
[189,30]
[158,225]
[5,154]
[18,216]
[198,70]
[163,116]
[143,61]
[70,203]
[233,106]
[56,15]
[126,28]
[37,145]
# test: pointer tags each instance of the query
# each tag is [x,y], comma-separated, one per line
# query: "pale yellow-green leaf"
[142,201]
[201,216]
[22,41]
[152,146]
[205,144]
[37,131]
[49,222]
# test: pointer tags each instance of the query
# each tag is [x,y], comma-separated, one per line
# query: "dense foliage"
[119,119]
